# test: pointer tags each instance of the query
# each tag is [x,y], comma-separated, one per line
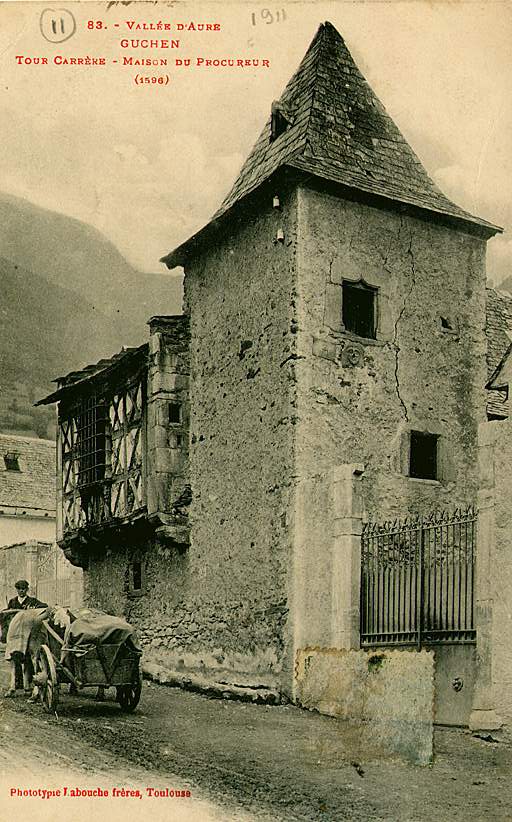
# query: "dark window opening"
[423,456]
[359,309]
[446,324]
[174,412]
[179,441]
[91,440]
[12,462]
[136,575]
[279,123]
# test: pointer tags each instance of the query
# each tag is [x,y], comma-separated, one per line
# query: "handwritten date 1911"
[267,17]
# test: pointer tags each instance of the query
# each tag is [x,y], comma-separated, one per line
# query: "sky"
[148,164]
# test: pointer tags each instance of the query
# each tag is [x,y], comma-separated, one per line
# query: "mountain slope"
[75,256]
[46,331]
[67,298]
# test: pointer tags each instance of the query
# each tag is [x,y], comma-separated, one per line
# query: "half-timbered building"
[122,460]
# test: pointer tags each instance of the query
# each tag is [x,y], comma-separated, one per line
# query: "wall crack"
[407,297]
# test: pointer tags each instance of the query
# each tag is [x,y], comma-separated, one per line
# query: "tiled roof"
[33,486]
[339,131]
[499,338]
[100,368]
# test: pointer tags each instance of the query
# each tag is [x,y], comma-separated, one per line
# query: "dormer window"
[12,462]
[359,309]
[279,122]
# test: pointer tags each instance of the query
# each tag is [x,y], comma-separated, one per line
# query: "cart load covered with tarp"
[91,628]
[89,648]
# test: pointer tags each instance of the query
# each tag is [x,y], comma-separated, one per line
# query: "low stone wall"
[391,693]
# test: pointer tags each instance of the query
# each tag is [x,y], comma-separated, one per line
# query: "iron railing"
[417,580]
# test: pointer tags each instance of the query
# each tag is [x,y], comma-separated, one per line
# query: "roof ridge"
[354,142]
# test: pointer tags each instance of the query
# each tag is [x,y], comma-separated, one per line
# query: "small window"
[359,309]
[12,462]
[423,456]
[174,412]
[136,576]
[279,123]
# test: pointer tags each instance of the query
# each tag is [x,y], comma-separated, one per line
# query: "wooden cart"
[99,665]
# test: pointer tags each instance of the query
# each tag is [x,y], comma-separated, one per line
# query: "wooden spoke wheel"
[46,679]
[128,696]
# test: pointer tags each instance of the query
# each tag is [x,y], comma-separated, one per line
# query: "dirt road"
[239,762]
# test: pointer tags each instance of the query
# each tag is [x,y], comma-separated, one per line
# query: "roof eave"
[179,255]
[64,390]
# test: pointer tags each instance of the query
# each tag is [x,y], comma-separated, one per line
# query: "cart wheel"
[128,695]
[49,688]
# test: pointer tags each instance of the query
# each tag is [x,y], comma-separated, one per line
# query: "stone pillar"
[327,558]
[346,557]
[484,715]
[31,564]
[167,438]
[77,588]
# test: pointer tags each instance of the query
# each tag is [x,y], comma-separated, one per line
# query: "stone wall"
[219,607]
[492,703]
[389,693]
[415,375]
[240,295]
[172,634]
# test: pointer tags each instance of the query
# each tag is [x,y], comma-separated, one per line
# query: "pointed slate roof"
[339,131]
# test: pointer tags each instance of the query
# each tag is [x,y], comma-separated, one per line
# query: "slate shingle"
[499,338]
[33,486]
[340,132]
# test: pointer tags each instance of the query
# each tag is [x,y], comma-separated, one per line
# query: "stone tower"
[336,304]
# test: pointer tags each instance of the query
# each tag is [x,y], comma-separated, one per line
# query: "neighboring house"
[336,311]
[52,578]
[27,489]
[27,524]
[499,340]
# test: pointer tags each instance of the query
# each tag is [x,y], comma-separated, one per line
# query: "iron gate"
[417,580]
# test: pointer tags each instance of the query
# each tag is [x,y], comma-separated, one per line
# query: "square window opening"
[423,456]
[12,462]
[359,309]
[174,412]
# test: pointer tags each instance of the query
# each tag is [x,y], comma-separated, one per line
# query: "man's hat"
[20,584]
